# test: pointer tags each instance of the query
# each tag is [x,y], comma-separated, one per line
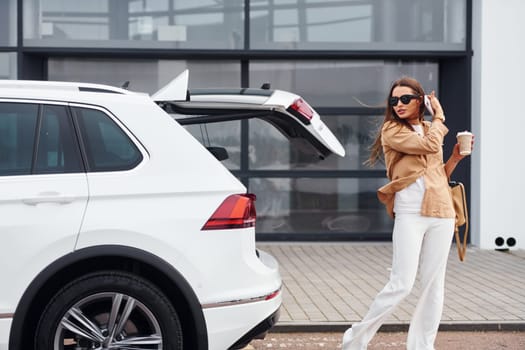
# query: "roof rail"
[58,85]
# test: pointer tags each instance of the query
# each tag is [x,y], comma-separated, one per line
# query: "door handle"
[48,197]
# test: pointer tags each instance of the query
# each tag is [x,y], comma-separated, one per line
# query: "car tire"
[84,313]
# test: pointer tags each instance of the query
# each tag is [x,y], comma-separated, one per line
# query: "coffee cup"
[465,142]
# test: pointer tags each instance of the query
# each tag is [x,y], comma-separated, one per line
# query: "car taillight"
[301,110]
[272,295]
[236,211]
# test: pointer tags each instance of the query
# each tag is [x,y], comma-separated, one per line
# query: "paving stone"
[336,282]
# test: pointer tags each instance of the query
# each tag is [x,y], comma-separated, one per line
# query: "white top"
[409,200]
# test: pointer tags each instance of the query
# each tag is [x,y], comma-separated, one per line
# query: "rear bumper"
[231,326]
[257,332]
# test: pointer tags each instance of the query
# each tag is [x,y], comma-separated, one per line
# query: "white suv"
[119,230]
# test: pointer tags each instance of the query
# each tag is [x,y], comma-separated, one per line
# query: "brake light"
[301,110]
[236,211]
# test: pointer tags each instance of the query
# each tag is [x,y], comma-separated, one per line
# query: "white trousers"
[417,240]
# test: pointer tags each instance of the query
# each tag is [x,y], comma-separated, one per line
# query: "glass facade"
[358,25]
[274,24]
[135,23]
[341,56]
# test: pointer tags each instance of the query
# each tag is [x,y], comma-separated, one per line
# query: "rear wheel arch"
[100,258]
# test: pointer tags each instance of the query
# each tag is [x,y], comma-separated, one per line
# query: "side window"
[57,150]
[22,125]
[107,146]
[18,123]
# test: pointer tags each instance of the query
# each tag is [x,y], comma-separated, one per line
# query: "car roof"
[62,91]
[56,89]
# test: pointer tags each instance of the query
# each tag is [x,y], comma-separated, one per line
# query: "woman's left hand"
[455,152]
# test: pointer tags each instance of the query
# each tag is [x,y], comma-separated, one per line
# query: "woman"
[419,200]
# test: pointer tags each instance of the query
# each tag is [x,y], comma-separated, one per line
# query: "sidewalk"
[329,286]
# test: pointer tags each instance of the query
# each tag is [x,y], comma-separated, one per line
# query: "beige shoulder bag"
[459,200]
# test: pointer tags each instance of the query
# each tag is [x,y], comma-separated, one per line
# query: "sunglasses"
[405,99]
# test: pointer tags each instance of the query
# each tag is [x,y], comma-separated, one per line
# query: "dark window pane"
[8,22]
[107,146]
[358,25]
[17,135]
[329,83]
[8,65]
[57,145]
[169,24]
[319,205]
[146,75]
[270,150]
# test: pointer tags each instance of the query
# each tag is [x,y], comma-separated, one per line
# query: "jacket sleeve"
[403,140]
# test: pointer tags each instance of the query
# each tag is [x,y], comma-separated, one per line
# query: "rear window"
[107,146]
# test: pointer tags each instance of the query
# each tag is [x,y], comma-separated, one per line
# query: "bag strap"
[462,245]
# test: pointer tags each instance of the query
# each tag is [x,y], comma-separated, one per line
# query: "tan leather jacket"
[409,156]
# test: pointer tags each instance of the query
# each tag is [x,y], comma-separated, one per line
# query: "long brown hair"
[376,149]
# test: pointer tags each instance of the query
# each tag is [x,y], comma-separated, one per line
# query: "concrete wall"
[498,121]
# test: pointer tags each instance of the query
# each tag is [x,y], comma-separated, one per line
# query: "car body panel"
[41,218]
